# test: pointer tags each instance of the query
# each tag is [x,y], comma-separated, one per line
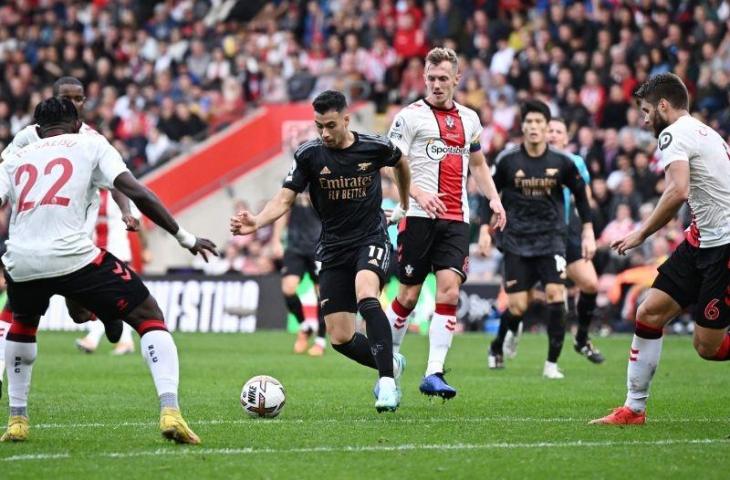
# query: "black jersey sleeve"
[297,179]
[500,174]
[574,181]
[391,154]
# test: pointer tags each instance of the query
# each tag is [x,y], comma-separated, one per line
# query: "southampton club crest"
[450,124]
[409,270]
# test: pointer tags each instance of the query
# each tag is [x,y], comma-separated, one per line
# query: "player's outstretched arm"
[245,223]
[675,194]
[278,231]
[127,217]
[478,167]
[152,207]
[402,173]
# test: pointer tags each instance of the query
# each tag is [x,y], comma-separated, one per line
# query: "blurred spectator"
[157,78]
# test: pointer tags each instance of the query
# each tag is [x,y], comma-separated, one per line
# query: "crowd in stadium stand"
[159,76]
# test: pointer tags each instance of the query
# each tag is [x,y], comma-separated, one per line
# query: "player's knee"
[554,292]
[338,336]
[448,294]
[79,315]
[289,287]
[705,350]
[147,310]
[408,297]
[650,315]
[517,308]
[589,286]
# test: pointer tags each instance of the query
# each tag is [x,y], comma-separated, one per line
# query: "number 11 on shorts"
[376,252]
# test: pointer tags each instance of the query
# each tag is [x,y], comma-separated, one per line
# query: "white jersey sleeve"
[477,129]
[5,187]
[674,149]
[690,140]
[400,132]
[23,138]
[110,164]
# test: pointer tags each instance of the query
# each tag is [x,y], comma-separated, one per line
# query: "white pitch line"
[36,456]
[371,448]
[374,421]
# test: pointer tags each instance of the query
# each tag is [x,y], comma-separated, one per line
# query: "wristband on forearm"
[185,238]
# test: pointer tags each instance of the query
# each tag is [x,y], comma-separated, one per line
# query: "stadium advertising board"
[199,303]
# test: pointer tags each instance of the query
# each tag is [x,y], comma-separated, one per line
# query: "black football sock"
[513,323]
[295,306]
[586,307]
[555,330]
[379,334]
[504,322]
[357,349]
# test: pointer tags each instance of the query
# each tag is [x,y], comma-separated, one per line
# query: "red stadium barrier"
[225,156]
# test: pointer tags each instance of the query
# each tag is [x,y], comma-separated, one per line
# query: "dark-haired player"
[578,270]
[72,89]
[50,184]
[342,171]
[696,163]
[531,178]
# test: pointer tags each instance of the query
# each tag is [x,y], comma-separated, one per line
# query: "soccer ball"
[263,396]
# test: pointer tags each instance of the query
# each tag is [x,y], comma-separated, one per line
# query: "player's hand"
[131,223]
[393,216]
[243,223]
[632,240]
[203,246]
[485,240]
[277,249]
[588,245]
[500,216]
[431,203]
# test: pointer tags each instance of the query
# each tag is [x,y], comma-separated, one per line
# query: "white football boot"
[552,372]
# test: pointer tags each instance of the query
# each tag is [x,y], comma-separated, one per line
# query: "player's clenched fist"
[243,223]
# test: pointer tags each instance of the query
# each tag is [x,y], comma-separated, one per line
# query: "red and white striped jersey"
[438,143]
[110,232]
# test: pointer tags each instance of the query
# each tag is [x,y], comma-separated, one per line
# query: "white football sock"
[4,327]
[440,334]
[159,351]
[96,331]
[126,334]
[643,361]
[398,323]
[19,356]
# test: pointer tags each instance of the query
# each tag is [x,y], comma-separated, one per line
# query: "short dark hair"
[667,86]
[54,111]
[535,106]
[559,119]
[329,100]
[65,81]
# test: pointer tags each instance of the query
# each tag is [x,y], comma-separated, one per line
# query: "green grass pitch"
[95,416]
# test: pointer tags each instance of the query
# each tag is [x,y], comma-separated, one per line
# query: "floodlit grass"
[96,416]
